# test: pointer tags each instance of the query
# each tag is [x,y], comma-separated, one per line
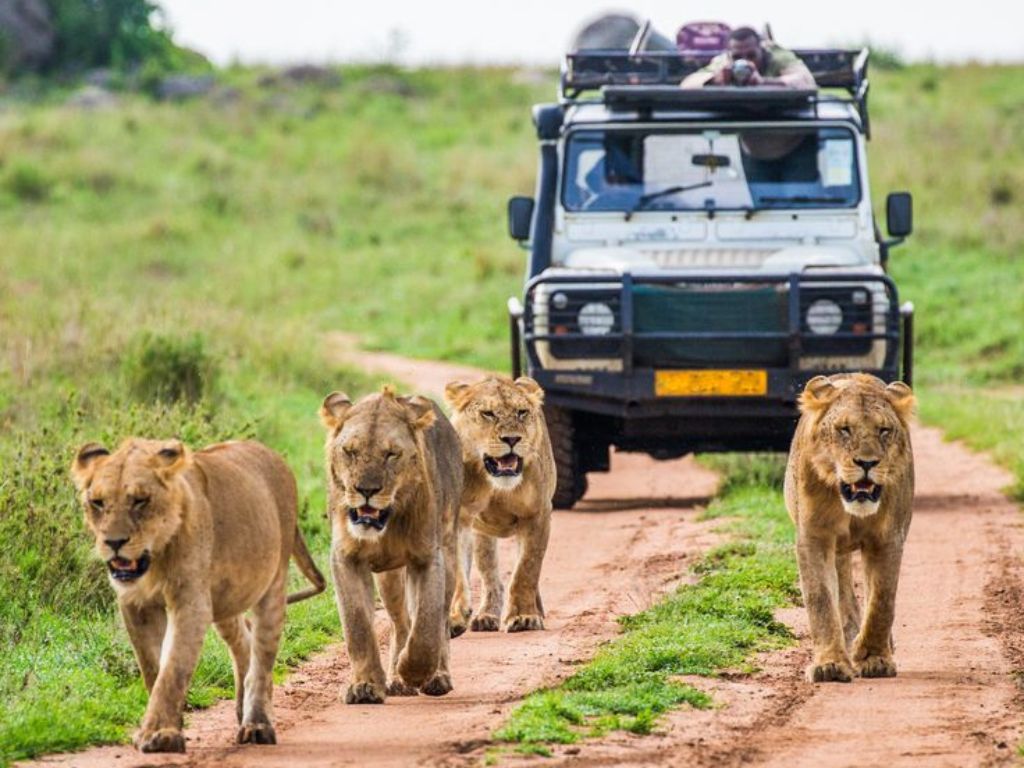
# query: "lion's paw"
[524,623]
[256,733]
[876,666]
[161,740]
[364,693]
[457,628]
[398,687]
[830,672]
[438,685]
[485,622]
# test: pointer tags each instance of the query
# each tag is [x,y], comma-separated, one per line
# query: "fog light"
[596,319]
[824,317]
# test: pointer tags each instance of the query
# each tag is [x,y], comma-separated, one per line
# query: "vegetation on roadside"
[716,624]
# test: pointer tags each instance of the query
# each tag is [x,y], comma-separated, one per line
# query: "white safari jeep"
[697,255]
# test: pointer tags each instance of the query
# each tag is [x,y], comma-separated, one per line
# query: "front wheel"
[571,480]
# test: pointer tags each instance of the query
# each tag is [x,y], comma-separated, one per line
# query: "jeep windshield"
[721,168]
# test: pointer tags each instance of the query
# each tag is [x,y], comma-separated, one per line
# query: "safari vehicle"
[696,256]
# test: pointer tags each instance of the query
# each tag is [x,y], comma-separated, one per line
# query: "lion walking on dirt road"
[394,476]
[510,479]
[192,539]
[850,485]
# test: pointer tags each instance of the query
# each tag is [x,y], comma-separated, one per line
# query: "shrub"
[26,182]
[168,369]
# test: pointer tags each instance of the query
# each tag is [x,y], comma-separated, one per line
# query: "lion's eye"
[522,414]
[884,433]
[845,431]
[349,452]
[390,456]
[140,502]
[489,415]
[96,504]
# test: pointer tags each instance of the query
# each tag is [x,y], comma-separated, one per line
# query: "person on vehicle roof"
[753,61]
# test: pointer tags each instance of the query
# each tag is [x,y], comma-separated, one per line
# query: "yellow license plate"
[710,383]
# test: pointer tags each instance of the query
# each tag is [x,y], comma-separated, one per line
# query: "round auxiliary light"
[559,300]
[596,319]
[824,317]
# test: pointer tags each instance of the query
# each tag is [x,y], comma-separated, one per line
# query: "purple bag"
[703,37]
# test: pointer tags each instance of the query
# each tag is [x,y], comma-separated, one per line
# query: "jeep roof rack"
[651,79]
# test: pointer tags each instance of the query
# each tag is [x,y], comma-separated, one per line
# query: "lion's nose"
[511,441]
[865,464]
[115,544]
[368,493]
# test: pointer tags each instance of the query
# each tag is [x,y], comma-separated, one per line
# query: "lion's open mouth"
[509,465]
[369,516]
[862,490]
[123,569]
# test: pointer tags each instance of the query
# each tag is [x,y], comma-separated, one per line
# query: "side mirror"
[520,214]
[899,214]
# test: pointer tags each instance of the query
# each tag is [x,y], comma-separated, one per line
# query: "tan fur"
[846,418]
[218,526]
[405,454]
[484,414]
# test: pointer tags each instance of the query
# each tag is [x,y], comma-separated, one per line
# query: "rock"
[312,73]
[92,97]
[181,87]
[28,33]
[101,78]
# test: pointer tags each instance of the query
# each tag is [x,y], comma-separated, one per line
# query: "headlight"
[824,317]
[596,319]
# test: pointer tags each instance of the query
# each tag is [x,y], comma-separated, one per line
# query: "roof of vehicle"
[605,85]
[599,112]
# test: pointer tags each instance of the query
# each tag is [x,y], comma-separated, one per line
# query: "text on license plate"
[710,383]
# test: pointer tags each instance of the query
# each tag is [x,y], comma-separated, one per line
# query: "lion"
[510,479]
[190,539]
[850,485]
[394,475]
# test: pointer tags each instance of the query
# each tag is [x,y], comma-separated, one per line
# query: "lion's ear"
[171,458]
[531,388]
[818,394]
[334,409]
[85,463]
[456,394]
[421,411]
[902,399]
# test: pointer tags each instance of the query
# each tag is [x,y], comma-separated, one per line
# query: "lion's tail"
[305,562]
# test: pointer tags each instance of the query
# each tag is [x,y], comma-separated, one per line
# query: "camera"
[742,71]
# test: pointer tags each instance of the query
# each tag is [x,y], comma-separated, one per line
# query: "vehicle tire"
[571,481]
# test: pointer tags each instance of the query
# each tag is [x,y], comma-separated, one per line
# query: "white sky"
[537,31]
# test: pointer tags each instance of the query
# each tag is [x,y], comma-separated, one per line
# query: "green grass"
[172,269]
[701,629]
[955,137]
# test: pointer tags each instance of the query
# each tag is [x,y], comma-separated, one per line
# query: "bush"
[166,369]
[26,182]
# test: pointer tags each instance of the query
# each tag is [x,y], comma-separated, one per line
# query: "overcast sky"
[537,31]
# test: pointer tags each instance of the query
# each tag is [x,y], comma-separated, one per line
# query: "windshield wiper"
[643,200]
[802,199]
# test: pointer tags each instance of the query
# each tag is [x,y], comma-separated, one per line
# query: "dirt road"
[959,636]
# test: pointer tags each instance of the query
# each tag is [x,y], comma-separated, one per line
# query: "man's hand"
[721,77]
[755,79]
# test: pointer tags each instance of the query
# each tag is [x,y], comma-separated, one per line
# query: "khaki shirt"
[778,63]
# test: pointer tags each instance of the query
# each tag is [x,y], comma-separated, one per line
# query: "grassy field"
[202,249]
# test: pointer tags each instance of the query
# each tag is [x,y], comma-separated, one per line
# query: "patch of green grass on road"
[701,629]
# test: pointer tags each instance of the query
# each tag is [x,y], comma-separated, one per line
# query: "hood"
[705,259]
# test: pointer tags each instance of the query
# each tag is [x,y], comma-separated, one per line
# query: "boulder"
[181,87]
[27,32]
